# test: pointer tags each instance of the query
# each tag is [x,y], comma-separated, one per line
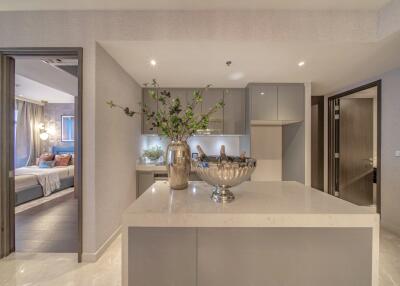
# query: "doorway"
[354,145]
[317,142]
[41,172]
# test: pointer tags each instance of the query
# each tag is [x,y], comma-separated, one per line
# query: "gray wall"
[293,158]
[52,114]
[117,144]
[390,176]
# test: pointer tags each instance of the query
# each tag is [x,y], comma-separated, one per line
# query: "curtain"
[27,147]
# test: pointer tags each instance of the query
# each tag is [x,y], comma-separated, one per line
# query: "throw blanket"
[47,178]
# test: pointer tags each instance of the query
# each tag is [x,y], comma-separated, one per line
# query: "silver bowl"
[224,175]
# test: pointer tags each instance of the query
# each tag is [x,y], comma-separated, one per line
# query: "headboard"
[58,150]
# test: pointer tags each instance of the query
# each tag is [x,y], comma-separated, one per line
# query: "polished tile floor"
[23,269]
[51,226]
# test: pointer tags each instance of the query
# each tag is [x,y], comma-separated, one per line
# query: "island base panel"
[250,256]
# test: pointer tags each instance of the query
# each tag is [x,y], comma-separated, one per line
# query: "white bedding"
[49,179]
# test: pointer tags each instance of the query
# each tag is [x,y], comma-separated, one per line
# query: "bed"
[33,182]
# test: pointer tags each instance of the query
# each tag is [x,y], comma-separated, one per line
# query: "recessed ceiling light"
[153,62]
[302,63]
[236,75]
[262,93]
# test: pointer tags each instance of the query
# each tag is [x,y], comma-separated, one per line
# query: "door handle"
[370,161]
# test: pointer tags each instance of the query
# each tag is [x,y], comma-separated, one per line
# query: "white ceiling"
[9,5]
[186,64]
[36,91]
[36,70]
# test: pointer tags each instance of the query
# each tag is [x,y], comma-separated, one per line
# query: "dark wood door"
[356,150]
[7,217]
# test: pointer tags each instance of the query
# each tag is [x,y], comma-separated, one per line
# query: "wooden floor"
[49,227]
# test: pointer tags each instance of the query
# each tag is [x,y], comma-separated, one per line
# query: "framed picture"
[67,128]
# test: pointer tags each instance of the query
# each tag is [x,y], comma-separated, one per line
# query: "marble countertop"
[257,204]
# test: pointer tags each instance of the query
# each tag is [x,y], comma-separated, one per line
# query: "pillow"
[46,164]
[62,160]
[46,157]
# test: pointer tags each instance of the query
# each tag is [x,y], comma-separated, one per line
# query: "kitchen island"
[274,233]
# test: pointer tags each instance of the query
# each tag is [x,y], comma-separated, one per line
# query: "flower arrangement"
[173,119]
[153,153]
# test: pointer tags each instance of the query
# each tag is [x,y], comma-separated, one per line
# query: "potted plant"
[178,122]
[153,154]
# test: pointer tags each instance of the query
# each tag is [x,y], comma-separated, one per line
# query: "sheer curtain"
[27,147]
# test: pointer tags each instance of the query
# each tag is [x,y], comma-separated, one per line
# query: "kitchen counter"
[258,237]
[151,168]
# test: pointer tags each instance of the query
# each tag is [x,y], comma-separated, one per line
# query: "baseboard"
[94,256]
[391,227]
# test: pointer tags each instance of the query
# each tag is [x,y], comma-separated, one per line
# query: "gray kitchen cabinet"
[143,181]
[210,98]
[228,120]
[234,111]
[152,105]
[176,93]
[291,102]
[189,99]
[276,104]
[263,102]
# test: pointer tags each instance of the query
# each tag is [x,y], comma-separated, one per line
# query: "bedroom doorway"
[41,177]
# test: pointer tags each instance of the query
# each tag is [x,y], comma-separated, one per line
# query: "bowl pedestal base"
[222,194]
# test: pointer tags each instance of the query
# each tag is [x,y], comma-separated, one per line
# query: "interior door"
[356,150]
[7,217]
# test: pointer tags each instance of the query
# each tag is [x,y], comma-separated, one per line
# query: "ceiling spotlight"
[262,93]
[153,62]
[302,63]
[236,75]
[228,63]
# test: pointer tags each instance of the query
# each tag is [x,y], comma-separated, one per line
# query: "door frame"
[331,151]
[6,140]
[320,101]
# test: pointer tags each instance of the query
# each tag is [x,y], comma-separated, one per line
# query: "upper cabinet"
[210,98]
[276,104]
[263,102]
[179,93]
[228,120]
[190,97]
[291,102]
[234,111]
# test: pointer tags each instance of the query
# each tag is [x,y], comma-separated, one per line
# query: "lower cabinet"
[144,180]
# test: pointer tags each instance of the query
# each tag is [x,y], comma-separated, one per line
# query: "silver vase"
[178,164]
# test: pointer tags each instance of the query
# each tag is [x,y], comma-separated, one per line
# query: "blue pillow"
[46,164]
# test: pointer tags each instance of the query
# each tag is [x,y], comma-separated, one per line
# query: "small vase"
[178,164]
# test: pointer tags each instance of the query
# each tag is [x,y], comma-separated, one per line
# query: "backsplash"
[211,144]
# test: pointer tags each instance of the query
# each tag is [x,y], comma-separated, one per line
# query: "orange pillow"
[62,160]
